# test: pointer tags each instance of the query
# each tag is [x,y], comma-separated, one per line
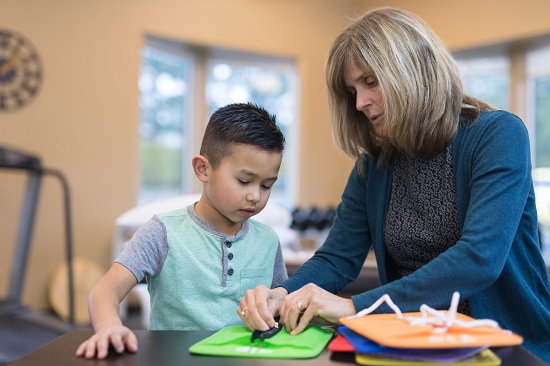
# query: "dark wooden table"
[165,348]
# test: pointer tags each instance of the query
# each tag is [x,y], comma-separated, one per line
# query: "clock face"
[20,71]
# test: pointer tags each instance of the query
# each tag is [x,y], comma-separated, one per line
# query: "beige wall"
[84,121]
[472,23]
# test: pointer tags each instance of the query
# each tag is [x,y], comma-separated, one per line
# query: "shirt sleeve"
[146,252]
[280,273]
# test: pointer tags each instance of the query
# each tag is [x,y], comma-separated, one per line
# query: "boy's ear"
[201,167]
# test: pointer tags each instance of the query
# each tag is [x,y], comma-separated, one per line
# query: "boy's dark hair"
[240,123]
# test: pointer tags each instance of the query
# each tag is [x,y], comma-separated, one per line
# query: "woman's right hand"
[258,307]
[119,336]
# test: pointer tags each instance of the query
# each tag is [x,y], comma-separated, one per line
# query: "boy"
[199,260]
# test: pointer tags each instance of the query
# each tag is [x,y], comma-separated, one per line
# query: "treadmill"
[22,329]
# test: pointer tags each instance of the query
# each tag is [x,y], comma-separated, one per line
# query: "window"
[515,78]
[538,93]
[164,83]
[173,97]
[487,77]
[538,96]
[234,78]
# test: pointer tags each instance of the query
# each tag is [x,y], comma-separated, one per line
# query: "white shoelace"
[440,320]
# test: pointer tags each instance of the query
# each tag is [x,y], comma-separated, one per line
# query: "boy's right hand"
[119,336]
[259,306]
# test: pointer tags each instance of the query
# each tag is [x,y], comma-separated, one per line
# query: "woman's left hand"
[300,307]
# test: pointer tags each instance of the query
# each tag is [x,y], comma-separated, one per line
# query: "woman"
[441,191]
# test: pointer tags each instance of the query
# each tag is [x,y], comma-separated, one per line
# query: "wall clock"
[20,71]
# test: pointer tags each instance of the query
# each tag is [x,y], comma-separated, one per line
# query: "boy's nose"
[253,195]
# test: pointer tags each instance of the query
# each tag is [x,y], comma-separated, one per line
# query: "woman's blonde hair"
[420,83]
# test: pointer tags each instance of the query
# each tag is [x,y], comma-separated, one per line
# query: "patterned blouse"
[422,217]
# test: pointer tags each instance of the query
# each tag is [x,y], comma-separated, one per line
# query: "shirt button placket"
[228,244]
